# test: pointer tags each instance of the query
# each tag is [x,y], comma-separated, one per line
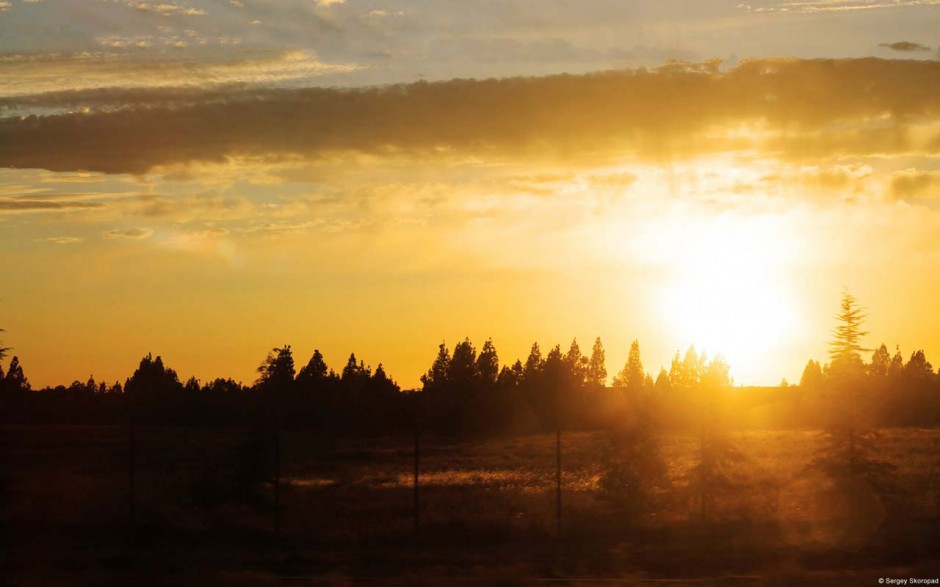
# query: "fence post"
[131,481]
[277,481]
[558,479]
[416,481]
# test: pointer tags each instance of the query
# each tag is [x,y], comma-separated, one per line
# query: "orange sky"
[209,206]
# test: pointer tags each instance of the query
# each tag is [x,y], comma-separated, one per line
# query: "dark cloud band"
[801,108]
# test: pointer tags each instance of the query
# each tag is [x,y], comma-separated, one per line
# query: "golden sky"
[207,180]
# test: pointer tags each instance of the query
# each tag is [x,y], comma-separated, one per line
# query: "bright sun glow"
[727,293]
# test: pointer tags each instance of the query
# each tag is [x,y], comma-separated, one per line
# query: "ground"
[204,511]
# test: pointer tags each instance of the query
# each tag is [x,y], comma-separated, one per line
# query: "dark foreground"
[204,512]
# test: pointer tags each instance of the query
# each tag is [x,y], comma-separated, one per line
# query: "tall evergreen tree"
[533,365]
[918,368]
[355,375]
[662,384]
[276,383]
[845,349]
[880,361]
[693,366]
[153,379]
[677,376]
[154,391]
[488,364]
[716,373]
[576,362]
[315,371]
[847,453]
[276,373]
[631,378]
[596,376]
[462,371]
[555,387]
[191,386]
[381,383]
[15,380]
[812,377]
[511,377]
[896,366]
[436,377]
[716,473]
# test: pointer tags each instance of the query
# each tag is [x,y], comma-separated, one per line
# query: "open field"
[204,509]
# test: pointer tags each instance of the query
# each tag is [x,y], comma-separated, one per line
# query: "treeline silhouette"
[466,391]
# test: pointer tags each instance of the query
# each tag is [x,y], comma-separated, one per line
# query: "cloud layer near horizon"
[785,107]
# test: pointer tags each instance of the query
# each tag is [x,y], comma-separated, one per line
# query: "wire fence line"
[171,472]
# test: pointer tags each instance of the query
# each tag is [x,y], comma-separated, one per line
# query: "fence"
[222,492]
[280,483]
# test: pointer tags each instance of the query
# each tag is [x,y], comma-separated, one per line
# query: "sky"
[206,180]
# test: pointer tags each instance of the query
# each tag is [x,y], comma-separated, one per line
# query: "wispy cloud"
[821,6]
[179,41]
[905,46]
[136,233]
[161,7]
[30,74]
[61,240]
[916,184]
[23,205]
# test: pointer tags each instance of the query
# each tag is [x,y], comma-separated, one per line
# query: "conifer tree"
[276,373]
[880,361]
[436,377]
[15,380]
[845,349]
[576,362]
[534,364]
[462,372]
[846,454]
[716,471]
[488,364]
[918,368]
[631,378]
[896,366]
[597,366]
[812,376]
[314,372]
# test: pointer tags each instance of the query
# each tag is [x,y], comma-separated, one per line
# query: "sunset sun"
[735,310]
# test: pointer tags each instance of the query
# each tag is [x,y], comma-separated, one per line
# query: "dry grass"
[483,503]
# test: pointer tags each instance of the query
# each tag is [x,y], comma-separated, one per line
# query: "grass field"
[487,511]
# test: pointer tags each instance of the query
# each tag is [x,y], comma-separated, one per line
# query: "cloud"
[162,8]
[905,46]
[136,233]
[541,50]
[20,205]
[281,228]
[189,37]
[186,208]
[916,184]
[61,240]
[823,6]
[31,74]
[790,108]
